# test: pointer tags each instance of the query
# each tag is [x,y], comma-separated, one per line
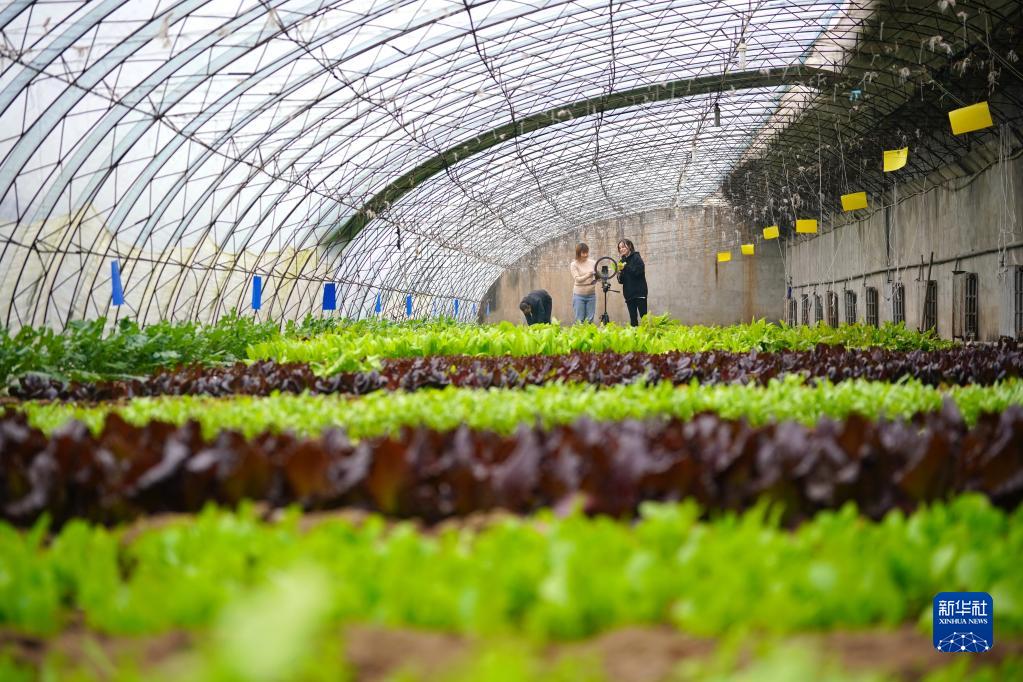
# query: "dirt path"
[634,654]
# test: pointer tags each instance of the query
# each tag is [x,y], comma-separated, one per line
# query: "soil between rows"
[631,654]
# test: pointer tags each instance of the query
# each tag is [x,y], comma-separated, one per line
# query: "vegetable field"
[432,500]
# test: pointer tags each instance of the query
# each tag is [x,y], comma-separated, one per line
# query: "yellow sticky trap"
[967,119]
[854,201]
[724,256]
[806,226]
[894,159]
[747,249]
[771,232]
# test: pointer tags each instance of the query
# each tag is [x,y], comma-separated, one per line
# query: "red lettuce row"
[608,467]
[963,365]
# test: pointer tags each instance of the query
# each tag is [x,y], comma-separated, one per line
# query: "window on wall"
[971,316]
[792,313]
[898,303]
[872,316]
[930,320]
[850,307]
[806,309]
[1017,297]
[818,309]
[832,300]
[965,306]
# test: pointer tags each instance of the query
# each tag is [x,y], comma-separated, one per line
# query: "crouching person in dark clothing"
[536,306]
[632,275]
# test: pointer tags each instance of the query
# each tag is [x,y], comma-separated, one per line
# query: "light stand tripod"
[603,273]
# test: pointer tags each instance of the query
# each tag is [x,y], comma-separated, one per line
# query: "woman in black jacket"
[632,275]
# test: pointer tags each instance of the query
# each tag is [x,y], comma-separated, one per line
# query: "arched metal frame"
[201,142]
[910,68]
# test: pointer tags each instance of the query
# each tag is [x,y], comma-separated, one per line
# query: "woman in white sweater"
[584,288]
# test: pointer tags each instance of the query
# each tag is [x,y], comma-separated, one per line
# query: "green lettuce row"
[88,351]
[349,346]
[544,578]
[502,410]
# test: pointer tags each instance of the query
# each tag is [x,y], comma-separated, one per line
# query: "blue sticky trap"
[117,290]
[408,305]
[377,308]
[257,292]
[456,307]
[330,296]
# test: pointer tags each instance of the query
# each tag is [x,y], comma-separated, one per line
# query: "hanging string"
[1007,225]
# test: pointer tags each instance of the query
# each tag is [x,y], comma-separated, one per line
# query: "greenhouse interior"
[511,340]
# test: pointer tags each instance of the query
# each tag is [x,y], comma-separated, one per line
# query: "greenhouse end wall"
[685,281]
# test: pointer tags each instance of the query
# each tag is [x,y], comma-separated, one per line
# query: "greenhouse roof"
[414,147]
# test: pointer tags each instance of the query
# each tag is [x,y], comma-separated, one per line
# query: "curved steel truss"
[410,147]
